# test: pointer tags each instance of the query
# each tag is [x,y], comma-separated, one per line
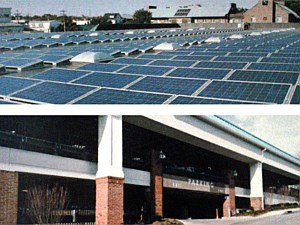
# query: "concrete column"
[9,183]
[256,186]
[229,208]
[156,184]
[110,176]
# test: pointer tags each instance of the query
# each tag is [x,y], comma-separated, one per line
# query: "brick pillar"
[8,197]
[256,203]
[110,176]
[256,186]
[229,208]
[109,200]
[156,184]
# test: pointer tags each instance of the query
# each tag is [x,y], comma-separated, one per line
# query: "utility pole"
[63,12]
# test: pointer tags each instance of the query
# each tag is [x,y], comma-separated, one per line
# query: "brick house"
[270,11]
[191,14]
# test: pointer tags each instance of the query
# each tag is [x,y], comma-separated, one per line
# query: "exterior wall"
[109,201]
[283,14]
[5,15]
[8,197]
[263,14]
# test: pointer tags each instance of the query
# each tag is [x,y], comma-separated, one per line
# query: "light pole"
[63,12]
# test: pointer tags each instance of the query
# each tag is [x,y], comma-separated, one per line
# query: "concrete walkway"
[244,219]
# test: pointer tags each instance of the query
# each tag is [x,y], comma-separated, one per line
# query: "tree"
[44,203]
[295,6]
[142,16]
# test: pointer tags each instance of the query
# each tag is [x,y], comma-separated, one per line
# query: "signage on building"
[185,183]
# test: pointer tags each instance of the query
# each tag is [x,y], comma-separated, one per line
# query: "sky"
[99,7]
[280,131]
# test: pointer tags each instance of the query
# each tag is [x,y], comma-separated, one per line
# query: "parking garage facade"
[127,170]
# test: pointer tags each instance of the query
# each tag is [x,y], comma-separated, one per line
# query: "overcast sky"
[99,7]
[280,131]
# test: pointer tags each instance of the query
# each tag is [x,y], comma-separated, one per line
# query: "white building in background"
[5,22]
[82,22]
[44,26]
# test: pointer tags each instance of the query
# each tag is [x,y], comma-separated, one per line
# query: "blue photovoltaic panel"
[275,67]
[193,57]
[5,103]
[55,58]
[258,92]
[54,93]
[9,85]
[20,62]
[173,63]
[62,75]
[168,85]
[175,53]
[101,67]
[221,65]
[296,96]
[199,73]
[255,54]
[281,60]
[236,59]
[107,96]
[209,53]
[107,80]
[191,100]
[293,55]
[264,76]
[146,70]
[132,61]
[148,56]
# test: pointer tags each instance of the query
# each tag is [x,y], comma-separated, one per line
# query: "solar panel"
[168,85]
[107,96]
[107,80]
[101,67]
[275,67]
[264,76]
[160,56]
[132,61]
[55,59]
[61,75]
[296,96]
[21,63]
[146,70]
[191,100]
[258,92]
[54,93]
[221,65]
[199,73]
[188,57]
[9,85]
[6,103]
[257,54]
[236,59]
[184,63]
[281,60]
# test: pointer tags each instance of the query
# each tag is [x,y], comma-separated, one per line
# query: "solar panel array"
[253,70]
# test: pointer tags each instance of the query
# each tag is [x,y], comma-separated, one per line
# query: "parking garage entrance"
[183,204]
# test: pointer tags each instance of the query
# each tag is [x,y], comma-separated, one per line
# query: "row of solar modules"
[145,84]
[60,55]
[158,84]
[117,33]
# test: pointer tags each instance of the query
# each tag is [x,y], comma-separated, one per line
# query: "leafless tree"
[46,203]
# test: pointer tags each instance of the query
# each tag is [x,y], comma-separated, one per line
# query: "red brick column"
[156,184]
[8,197]
[256,203]
[229,208]
[109,200]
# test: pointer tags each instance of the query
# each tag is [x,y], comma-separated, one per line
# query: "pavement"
[279,217]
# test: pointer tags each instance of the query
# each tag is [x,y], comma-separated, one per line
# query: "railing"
[12,140]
